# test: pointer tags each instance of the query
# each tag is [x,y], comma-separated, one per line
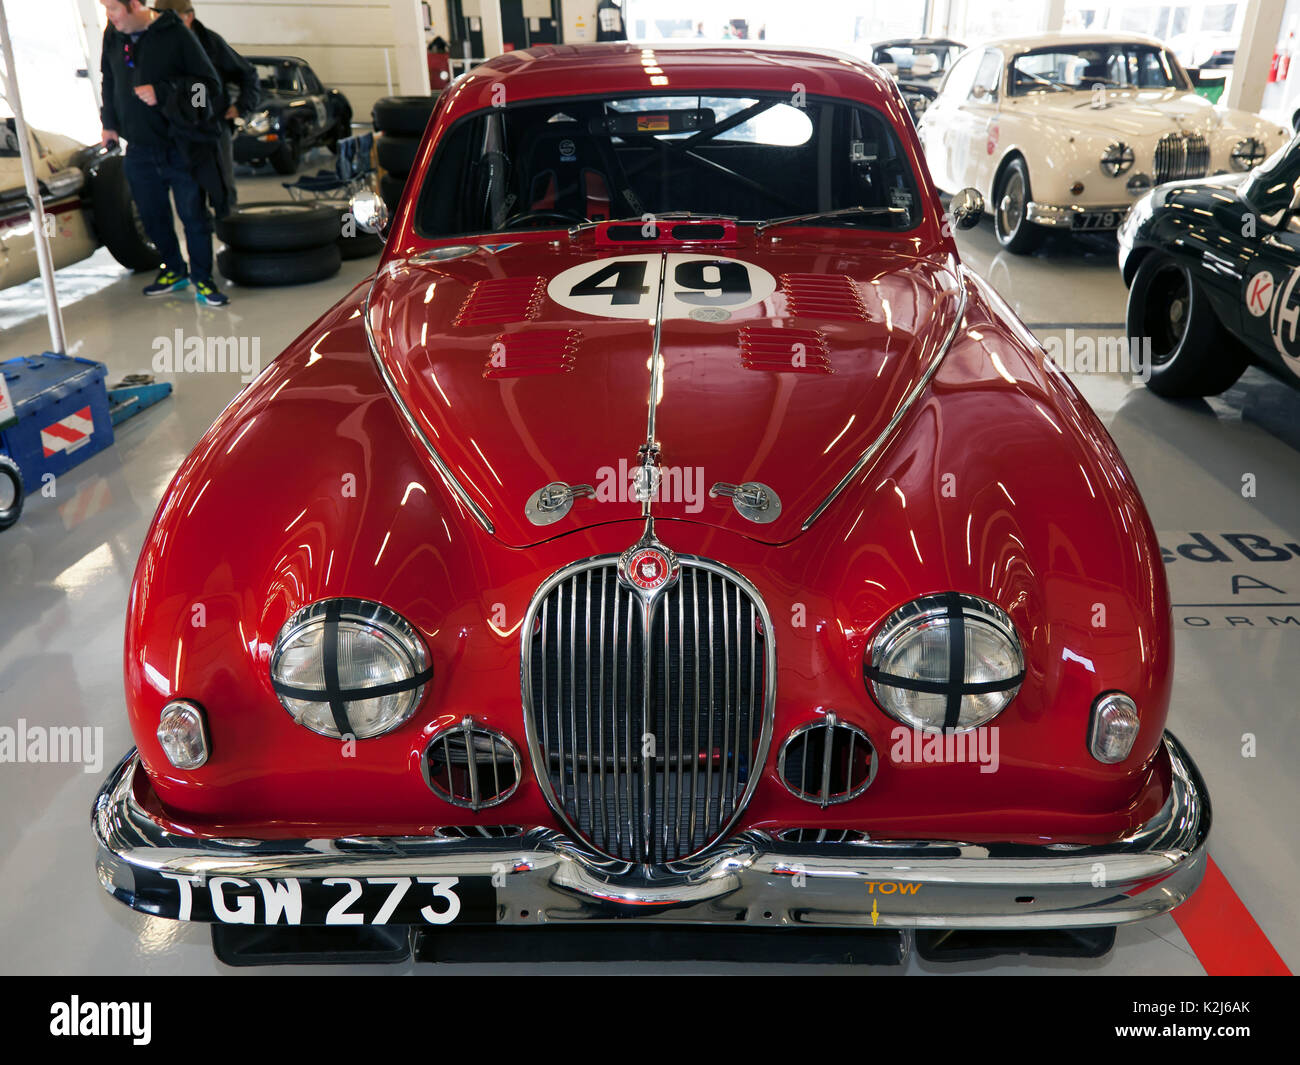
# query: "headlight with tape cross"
[349,667]
[944,662]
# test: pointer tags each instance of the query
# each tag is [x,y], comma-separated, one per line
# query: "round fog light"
[1114,727]
[182,734]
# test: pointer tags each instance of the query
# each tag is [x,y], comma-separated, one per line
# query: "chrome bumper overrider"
[543,877]
[1072,216]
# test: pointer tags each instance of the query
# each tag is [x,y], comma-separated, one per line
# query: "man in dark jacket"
[160,93]
[233,70]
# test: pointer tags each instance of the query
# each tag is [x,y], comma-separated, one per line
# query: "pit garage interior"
[1219,475]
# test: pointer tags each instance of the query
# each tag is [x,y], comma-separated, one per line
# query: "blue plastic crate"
[63,418]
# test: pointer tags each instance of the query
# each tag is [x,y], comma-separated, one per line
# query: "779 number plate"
[1099,219]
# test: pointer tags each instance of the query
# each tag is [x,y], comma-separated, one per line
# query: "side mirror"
[369,211]
[967,208]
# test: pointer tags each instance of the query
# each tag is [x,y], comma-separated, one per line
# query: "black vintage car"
[918,65]
[297,113]
[1213,268]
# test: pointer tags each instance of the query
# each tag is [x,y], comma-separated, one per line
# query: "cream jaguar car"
[1068,130]
[86,199]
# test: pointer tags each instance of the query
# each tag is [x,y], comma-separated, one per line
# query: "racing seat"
[568,170]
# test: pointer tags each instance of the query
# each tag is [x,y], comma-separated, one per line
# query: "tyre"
[11,492]
[406,115]
[1010,210]
[390,188]
[287,225]
[397,153]
[116,220]
[264,268]
[286,155]
[1191,353]
[361,245]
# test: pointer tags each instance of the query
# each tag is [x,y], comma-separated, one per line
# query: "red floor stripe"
[1223,934]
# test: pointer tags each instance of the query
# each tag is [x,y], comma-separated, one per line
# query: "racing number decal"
[622,280]
[708,282]
[1277,303]
[704,287]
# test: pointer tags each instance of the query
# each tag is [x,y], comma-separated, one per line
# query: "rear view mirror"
[967,208]
[369,211]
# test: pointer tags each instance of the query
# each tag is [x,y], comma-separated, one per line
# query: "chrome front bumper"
[542,877]
[1074,217]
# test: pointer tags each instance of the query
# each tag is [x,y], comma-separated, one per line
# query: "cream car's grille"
[1180,156]
[648,742]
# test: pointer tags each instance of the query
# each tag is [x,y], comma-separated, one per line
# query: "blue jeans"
[152,173]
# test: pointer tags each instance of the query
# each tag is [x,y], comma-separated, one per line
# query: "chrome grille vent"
[1180,156]
[471,766]
[648,741]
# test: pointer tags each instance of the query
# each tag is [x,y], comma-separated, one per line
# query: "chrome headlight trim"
[360,617]
[1117,159]
[931,611]
[1247,154]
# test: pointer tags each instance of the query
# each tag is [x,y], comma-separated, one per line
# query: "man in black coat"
[233,70]
[160,94]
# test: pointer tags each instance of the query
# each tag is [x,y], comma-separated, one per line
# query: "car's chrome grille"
[648,750]
[1180,156]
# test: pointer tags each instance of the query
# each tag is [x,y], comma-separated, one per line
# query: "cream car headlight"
[1248,153]
[948,661]
[259,122]
[349,667]
[1116,159]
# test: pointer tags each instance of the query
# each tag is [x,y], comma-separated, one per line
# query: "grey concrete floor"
[66,567]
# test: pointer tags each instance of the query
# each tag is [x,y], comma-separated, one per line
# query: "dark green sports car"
[1213,268]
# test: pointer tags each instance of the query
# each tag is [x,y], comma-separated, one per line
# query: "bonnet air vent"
[505,299]
[784,350]
[823,296]
[542,351]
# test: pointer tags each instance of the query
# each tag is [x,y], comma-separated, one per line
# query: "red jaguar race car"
[672,534]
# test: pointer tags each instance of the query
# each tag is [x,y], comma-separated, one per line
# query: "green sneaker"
[207,292]
[168,280]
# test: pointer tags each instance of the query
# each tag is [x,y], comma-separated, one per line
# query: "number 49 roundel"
[695,286]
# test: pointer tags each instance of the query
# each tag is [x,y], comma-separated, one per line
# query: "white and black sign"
[627,286]
[1248,581]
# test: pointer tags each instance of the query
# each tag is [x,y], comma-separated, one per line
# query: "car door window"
[957,85]
[988,77]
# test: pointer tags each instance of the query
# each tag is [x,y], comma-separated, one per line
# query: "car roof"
[276,59]
[945,41]
[1046,40]
[549,71]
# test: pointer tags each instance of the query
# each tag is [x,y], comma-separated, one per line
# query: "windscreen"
[1115,65]
[747,157]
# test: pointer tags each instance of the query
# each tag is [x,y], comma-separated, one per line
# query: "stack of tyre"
[289,242]
[399,122]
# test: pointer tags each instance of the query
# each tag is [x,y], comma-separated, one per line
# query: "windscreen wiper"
[840,213]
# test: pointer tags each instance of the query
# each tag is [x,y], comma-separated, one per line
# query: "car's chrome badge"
[648,567]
